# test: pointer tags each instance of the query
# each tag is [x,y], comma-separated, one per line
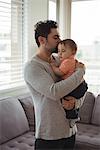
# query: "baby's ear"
[73,52]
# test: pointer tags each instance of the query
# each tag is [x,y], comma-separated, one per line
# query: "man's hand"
[79,65]
[68,103]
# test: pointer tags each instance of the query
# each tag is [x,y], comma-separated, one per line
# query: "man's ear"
[41,39]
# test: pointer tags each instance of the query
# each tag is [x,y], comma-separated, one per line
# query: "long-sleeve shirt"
[51,122]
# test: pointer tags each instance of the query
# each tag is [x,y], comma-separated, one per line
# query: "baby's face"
[64,52]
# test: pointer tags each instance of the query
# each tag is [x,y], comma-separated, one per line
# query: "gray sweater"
[51,122]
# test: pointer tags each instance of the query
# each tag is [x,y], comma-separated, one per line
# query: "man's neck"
[43,55]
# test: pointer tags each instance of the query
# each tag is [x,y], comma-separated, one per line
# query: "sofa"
[17,123]
[88,135]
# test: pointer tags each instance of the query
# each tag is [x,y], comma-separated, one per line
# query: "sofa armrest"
[86,110]
[96,112]
[27,104]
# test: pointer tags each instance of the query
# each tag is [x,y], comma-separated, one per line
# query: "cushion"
[85,112]
[96,111]
[27,104]
[13,121]
[23,142]
[88,137]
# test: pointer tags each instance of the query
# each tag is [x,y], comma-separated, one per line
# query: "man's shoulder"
[30,62]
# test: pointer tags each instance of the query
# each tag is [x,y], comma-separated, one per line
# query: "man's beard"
[54,50]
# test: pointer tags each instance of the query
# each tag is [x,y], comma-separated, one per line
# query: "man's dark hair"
[43,28]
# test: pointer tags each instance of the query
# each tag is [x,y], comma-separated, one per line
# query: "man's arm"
[72,102]
[79,102]
[40,80]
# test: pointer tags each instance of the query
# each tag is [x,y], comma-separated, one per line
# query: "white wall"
[38,10]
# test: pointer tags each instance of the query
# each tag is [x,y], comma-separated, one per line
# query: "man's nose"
[59,40]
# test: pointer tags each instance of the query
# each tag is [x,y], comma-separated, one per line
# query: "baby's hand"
[68,103]
[80,65]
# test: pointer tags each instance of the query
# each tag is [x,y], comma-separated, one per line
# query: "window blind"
[13,42]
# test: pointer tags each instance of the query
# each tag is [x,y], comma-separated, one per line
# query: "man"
[52,127]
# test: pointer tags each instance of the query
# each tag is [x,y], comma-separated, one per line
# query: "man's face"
[52,40]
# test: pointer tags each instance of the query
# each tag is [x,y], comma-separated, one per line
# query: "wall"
[38,10]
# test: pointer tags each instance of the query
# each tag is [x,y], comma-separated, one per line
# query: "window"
[13,43]
[85,30]
[52,10]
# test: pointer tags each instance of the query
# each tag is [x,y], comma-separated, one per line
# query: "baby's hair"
[70,43]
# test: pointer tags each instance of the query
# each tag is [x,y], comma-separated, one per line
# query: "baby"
[66,52]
